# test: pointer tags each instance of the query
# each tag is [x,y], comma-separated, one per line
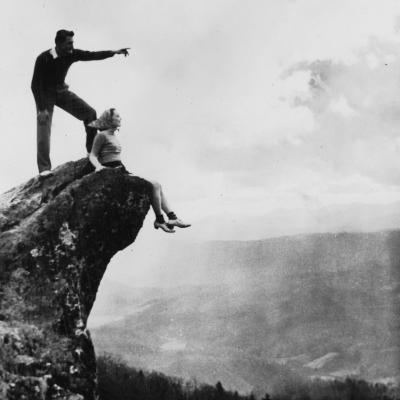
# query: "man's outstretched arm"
[81,55]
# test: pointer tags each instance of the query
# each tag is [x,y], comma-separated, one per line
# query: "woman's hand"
[95,162]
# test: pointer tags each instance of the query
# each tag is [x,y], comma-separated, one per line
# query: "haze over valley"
[266,311]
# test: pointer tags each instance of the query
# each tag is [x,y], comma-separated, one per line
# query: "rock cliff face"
[57,236]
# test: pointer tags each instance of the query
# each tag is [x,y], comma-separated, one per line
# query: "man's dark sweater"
[50,72]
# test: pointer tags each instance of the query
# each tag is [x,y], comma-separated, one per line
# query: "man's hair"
[62,34]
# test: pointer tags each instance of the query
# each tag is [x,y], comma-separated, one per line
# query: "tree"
[220,390]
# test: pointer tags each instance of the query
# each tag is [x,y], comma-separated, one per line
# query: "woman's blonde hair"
[105,121]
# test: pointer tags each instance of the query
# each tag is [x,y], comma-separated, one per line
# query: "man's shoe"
[46,173]
[177,222]
[163,226]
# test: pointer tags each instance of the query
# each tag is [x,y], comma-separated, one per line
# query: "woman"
[106,152]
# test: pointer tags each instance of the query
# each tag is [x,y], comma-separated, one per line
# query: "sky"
[242,110]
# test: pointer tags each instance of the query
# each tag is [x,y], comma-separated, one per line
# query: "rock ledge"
[57,236]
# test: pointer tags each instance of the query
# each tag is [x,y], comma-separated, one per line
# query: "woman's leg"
[157,204]
[164,203]
[156,201]
[160,203]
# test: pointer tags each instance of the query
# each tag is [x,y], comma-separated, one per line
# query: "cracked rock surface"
[57,236]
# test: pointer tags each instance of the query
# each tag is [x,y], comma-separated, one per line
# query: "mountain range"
[265,313]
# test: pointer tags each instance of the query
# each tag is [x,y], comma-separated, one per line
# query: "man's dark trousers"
[74,105]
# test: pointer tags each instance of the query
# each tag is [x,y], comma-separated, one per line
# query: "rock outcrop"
[57,236]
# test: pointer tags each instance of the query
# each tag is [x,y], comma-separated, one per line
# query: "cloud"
[357,109]
[341,106]
[324,132]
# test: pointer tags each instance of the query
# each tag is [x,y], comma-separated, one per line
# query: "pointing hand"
[123,51]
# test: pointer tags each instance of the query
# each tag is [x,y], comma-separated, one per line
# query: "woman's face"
[116,119]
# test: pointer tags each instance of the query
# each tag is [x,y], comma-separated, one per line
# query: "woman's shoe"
[177,222]
[163,226]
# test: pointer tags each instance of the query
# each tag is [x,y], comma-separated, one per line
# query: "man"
[49,89]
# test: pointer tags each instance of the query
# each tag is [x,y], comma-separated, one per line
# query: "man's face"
[66,46]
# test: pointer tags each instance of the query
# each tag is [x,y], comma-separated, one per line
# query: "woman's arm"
[94,153]
[95,161]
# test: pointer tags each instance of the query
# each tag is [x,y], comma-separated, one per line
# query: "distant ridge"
[268,308]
